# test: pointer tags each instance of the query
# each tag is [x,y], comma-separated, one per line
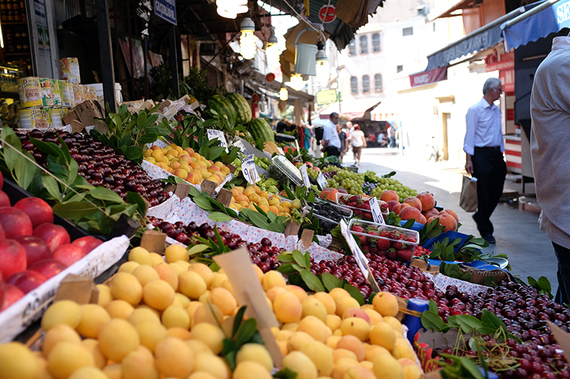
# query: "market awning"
[459,5]
[387,110]
[352,108]
[549,17]
[481,39]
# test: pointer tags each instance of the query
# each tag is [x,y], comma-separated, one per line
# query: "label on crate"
[322,181]
[376,212]
[358,255]
[242,147]
[212,134]
[249,170]
[305,175]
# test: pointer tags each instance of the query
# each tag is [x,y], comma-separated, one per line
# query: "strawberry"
[373,232]
[391,253]
[357,228]
[366,206]
[383,244]
[354,199]
[411,239]
[365,249]
[399,245]
[404,255]
[363,240]
[374,250]
[351,204]
[384,233]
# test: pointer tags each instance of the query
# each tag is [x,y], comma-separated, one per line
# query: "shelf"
[13,54]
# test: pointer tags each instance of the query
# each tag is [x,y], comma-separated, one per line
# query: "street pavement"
[517,232]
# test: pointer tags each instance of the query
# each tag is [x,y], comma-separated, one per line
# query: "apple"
[38,210]
[53,235]
[15,222]
[87,243]
[11,295]
[4,199]
[36,248]
[68,254]
[12,257]
[48,267]
[26,280]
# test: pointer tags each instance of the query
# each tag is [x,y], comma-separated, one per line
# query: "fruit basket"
[360,206]
[392,242]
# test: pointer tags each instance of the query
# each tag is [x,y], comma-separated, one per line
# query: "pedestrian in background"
[331,142]
[484,147]
[549,141]
[391,135]
[343,136]
[358,141]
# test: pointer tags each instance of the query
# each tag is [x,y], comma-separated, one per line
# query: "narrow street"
[517,232]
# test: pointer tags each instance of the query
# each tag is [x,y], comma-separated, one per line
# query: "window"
[399,68]
[352,47]
[365,84]
[363,45]
[353,85]
[408,31]
[378,82]
[376,43]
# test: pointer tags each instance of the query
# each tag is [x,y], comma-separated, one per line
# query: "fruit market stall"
[246,258]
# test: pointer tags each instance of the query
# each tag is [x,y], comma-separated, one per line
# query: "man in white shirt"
[484,147]
[331,142]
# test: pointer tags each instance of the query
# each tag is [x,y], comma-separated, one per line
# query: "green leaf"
[148,138]
[133,153]
[196,249]
[231,356]
[271,216]
[49,148]
[285,374]
[431,320]
[312,281]
[433,306]
[246,331]
[300,259]
[287,268]
[203,202]
[136,198]
[330,281]
[544,284]
[307,260]
[238,320]
[355,293]
[470,366]
[492,320]
[194,191]
[71,197]
[285,258]
[297,267]
[25,171]
[73,210]
[51,186]
[105,194]
[466,323]
[219,217]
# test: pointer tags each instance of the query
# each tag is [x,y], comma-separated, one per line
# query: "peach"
[391,204]
[398,208]
[389,195]
[427,200]
[451,212]
[408,213]
[431,212]
[447,220]
[414,202]
[356,312]
[423,220]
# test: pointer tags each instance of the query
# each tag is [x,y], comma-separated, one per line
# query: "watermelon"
[224,108]
[241,106]
[259,128]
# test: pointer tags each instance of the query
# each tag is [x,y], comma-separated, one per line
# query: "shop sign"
[327,13]
[508,79]
[166,9]
[428,77]
[326,97]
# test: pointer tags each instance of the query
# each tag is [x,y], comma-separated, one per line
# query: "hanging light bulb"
[322,64]
[231,8]
[271,49]
[283,94]
[297,82]
[247,43]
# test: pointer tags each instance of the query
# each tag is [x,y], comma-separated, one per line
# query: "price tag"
[305,174]
[358,255]
[249,170]
[242,147]
[322,181]
[212,134]
[376,212]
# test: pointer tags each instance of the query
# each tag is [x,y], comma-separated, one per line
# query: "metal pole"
[174,61]
[107,69]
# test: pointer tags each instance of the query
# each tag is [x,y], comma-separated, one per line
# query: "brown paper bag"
[468,198]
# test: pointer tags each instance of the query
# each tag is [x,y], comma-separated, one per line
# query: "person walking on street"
[331,142]
[484,147]
[391,136]
[358,141]
[549,141]
[343,143]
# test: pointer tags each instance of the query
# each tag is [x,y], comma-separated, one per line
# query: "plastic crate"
[399,243]
[345,212]
[359,212]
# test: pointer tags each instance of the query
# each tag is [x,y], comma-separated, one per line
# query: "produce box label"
[376,212]
[305,175]
[322,181]
[358,255]
[212,134]
[242,147]
[249,170]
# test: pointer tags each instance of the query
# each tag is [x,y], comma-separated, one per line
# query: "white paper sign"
[249,170]
[356,252]
[242,147]
[376,212]
[305,175]
[212,134]
[322,181]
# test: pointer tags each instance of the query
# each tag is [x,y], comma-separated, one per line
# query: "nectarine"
[427,200]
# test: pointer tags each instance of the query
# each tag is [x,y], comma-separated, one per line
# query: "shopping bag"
[468,198]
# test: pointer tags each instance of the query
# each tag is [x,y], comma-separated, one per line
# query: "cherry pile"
[99,164]
[263,254]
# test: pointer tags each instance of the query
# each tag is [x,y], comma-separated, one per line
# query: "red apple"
[4,199]
[26,280]
[53,235]
[87,243]
[12,257]
[12,295]
[15,222]
[36,248]
[427,200]
[68,254]
[38,210]
[48,267]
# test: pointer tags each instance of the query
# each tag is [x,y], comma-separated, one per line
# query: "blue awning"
[549,17]
[481,39]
